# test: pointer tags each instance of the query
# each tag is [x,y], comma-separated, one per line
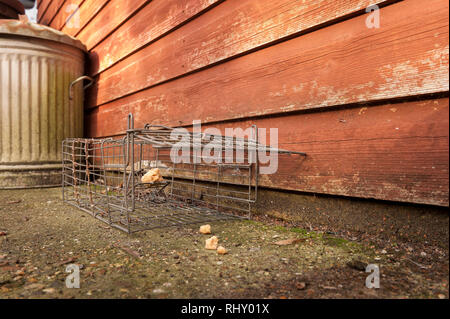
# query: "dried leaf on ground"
[67,261]
[34,286]
[290,241]
[357,265]
[301,285]
[129,251]
[14,202]
[49,290]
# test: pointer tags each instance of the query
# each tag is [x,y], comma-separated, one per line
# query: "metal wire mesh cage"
[195,182]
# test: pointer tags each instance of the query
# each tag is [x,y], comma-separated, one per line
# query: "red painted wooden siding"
[369,106]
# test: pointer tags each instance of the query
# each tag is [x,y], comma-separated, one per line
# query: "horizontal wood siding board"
[44,4]
[64,13]
[88,10]
[108,19]
[231,29]
[397,152]
[153,21]
[51,12]
[339,65]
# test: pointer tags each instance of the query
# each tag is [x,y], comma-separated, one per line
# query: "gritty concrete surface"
[365,219]
[40,236]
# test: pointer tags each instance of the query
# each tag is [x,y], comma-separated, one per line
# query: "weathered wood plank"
[112,15]
[64,13]
[396,152]
[43,5]
[232,28]
[88,10]
[154,20]
[51,12]
[378,154]
[343,64]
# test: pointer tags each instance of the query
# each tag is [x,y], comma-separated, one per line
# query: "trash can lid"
[34,30]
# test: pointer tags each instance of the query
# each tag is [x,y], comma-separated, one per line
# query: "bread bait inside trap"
[160,176]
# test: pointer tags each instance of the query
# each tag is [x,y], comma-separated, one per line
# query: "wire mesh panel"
[202,177]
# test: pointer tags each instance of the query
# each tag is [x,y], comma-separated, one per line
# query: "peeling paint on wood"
[233,28]
[112,15]
[60,19]
[391,152]
[43,6]
[309,72]
[153,21]
[399,156]
[88,10]
[51,11]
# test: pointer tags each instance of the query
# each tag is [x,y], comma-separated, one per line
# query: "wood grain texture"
[393,152]
[54,7]
[114,13]
[342,64]
[232,28]
[88,10]
[42,7]
[153,21]
[396,152]
[226,68]
[64,13]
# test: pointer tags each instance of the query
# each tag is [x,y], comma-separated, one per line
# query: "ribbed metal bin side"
[36,114]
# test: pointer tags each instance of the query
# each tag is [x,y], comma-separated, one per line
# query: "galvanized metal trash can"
[40,69]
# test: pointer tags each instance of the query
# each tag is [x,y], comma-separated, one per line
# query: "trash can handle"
[81,78]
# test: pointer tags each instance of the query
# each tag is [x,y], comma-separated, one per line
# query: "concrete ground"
[40,236]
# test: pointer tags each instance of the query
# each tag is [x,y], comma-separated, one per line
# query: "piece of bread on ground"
[211,243]
[152,176]
[222,250]
[205,229]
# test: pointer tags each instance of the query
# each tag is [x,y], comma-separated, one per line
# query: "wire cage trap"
[204,177]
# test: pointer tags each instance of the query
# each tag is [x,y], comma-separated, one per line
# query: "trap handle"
[150,126]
